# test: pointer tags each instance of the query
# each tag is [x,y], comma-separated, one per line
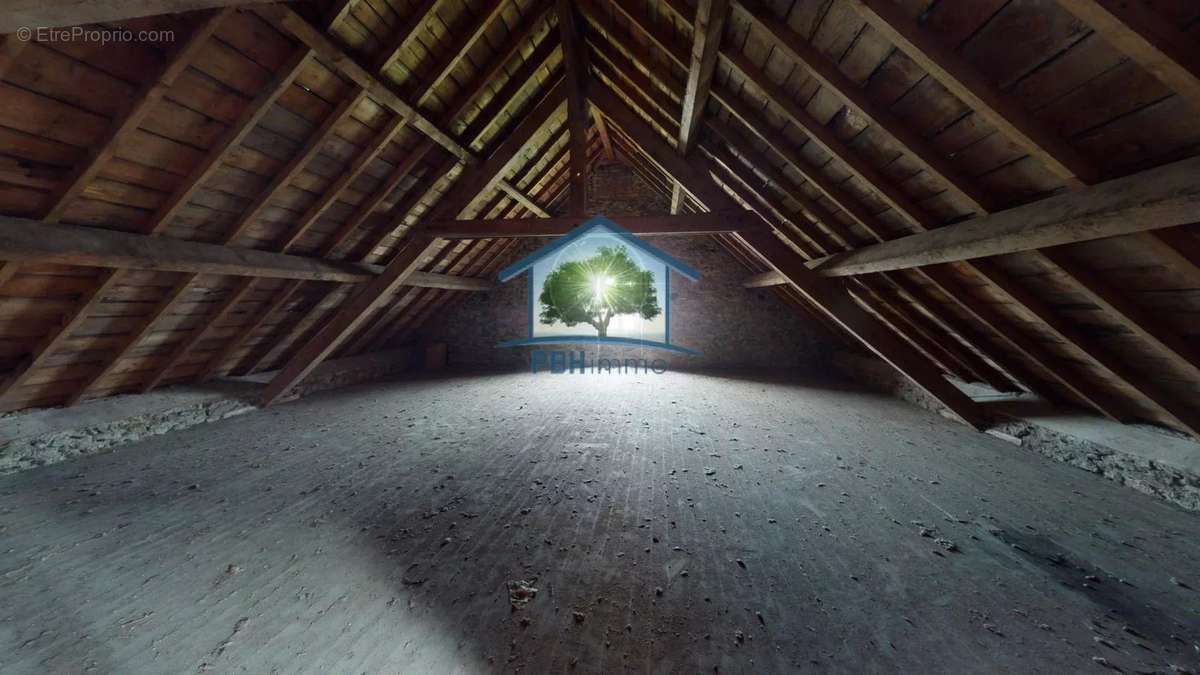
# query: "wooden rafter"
[490,11]
[290,292]
[378,201]
[575,65]
[602,130]
[780,144]
[413,307]
[971,367]
[830,298]
[1008,115]
[403,36]
[966,83]
[468,188]
[403,323]
[1032,132]
[230,140]
[232,137]
[381,318]
[1134,28]
[278,183]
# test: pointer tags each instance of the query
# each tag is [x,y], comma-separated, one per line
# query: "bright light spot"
[600,285]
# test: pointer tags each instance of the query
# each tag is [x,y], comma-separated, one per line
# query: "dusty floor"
[673,523]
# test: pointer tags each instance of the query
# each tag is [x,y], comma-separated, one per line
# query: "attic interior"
[294,376]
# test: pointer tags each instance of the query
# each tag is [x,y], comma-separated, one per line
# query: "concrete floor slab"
[671,523]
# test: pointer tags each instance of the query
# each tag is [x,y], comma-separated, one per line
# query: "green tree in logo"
[594,290]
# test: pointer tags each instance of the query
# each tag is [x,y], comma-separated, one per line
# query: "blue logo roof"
[602,224]
[603,227]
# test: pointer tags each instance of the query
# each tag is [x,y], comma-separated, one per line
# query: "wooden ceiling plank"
[830,76]
[316,141]
[821,215]
[226,305]
[965,82]
[977,367]
[287,20]
[831,298]
[490,12]
[466,191]
[520,78]
[1137,31]
[232,137]
[213,159]
[1046,147]
[125,123]
[337,12]
[378,199]
[404,34]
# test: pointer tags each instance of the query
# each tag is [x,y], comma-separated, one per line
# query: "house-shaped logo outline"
[604,225]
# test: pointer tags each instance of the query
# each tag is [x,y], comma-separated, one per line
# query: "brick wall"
[731,327]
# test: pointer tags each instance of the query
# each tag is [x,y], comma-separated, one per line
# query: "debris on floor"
[520,593]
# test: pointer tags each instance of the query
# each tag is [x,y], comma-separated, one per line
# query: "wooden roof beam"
[958,354]
[820,215]
[397,318]
[990,273]
[830,298]
[706,45]
[602,130]
[1162,197]
[690,224]
[460,199]
[379,198]
[575,64]
[233,136]
[26,240]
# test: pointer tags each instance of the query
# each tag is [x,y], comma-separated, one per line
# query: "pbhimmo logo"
[601,285]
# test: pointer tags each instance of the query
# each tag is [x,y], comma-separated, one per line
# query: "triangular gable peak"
[599,224]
